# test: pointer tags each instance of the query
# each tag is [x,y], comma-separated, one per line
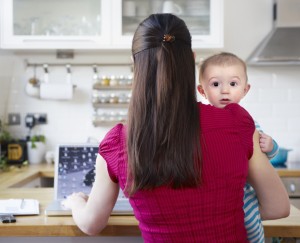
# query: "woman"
[182,164]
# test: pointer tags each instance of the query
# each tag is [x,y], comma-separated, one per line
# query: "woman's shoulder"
[230,113]
[113,137]
[232,108]
[236,108]
[240,113]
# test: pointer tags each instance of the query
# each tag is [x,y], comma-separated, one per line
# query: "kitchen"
[273,99]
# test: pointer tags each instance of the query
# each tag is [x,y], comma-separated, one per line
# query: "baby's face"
[223,85]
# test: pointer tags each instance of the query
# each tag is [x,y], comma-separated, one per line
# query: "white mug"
[171,7]
[156,6]
[129,8]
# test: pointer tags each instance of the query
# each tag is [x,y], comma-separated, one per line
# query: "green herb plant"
[5,138]
[37,138]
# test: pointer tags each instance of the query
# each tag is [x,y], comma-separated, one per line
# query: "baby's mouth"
[225,101]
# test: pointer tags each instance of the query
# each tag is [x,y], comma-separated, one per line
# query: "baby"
[223,80]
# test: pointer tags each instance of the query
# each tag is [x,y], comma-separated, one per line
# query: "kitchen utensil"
[46,73]
[34,81]
[69,76]
[281,157]
[95,75]
[32,90]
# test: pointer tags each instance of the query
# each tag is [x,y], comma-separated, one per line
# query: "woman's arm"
[272,196]
[91,213]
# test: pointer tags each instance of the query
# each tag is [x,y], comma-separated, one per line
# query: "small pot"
[281,157]
[36,155]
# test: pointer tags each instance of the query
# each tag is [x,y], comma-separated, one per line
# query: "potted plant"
[5,138]
[36,149]
[3,163]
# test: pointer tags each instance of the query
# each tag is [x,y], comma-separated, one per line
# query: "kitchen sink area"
[36,182]
[29,176]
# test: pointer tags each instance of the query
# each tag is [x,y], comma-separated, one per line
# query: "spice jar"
[113,81]
[113,99]
[105,81]
[103,98]
[123,98]
[122,81]
[95,97]
[129,80]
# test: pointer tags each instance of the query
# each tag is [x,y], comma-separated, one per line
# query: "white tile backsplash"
[273,95]
[258,110]
[287,110]
[273,101]
[293,95]
[68,121]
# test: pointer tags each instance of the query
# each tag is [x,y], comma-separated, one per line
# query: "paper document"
[19,206]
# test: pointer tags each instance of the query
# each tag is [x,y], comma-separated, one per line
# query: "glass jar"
[122,98]
[113,81]
[113,98]
[105,81]
[122,81]
[95,97]
[103,98]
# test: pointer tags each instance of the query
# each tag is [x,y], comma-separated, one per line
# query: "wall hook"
[68,67]
[46,73]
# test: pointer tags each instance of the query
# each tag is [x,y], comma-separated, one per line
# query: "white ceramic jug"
[36,155]
[171,7]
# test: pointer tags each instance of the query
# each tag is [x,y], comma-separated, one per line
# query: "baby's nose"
[225,88]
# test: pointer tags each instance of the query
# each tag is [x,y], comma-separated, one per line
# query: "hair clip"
[169,38]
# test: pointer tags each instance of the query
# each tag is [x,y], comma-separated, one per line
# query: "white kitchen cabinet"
[204,19]
[57,24]
[100,24]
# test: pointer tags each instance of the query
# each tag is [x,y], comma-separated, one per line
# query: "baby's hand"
[265,142]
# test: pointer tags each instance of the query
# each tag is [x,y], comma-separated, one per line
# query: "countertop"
[292,170]
[11,187]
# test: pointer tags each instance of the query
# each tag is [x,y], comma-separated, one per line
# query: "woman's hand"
[91,213]
[75,199]
[271,193]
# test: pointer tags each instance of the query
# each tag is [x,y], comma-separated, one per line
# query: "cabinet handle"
[292,187]
[57,40]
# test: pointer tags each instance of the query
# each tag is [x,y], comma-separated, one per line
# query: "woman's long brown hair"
[163,132]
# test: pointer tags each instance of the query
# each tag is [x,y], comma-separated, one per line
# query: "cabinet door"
[63,24]
[204,19]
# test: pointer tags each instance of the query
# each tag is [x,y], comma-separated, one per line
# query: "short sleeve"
[109,149]
[246,127]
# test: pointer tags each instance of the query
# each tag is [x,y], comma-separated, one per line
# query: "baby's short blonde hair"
[221,59]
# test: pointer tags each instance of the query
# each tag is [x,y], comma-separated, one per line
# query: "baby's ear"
[201,90]
[247,88]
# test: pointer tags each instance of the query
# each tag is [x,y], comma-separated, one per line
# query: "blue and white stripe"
[253,224]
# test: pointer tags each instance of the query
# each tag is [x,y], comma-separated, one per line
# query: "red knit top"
[212,212]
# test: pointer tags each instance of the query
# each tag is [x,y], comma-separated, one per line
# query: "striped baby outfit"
[253,224]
